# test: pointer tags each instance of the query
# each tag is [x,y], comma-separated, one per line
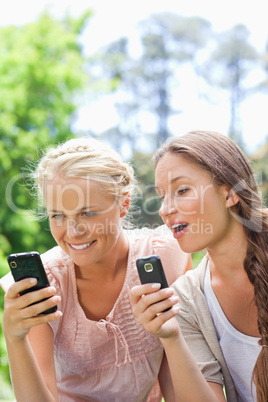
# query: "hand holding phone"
[29,265]
[150,270]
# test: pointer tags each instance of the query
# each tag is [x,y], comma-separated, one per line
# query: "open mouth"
[179,227]
[81,246]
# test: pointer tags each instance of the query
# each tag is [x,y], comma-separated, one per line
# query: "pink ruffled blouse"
[114,359]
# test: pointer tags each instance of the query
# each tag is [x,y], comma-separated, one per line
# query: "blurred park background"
[175,73]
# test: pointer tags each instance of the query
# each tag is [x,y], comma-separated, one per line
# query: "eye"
[182,191]
[88,213]
[57,216]
[161,198]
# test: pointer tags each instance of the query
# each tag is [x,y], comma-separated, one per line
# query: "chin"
[190,247]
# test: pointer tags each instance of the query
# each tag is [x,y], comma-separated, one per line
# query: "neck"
[227,258]
[110,265]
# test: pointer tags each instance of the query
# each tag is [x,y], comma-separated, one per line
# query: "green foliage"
[41,71]
[145,211]
[168,41]
[197,257]
[260,165]
[5,388]
[172,49]
[228,66]
[41,74]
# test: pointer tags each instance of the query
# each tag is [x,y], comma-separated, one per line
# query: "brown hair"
[225,162]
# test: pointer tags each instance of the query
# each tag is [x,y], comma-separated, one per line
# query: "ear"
[231,198]
[124,207]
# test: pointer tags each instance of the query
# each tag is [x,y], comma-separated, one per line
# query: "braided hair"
[86,158]
[219,156]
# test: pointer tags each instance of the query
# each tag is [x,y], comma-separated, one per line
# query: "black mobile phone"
[29,265]
[150,270]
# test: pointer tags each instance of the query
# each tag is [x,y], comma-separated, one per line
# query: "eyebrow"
[79,210]
[174,180]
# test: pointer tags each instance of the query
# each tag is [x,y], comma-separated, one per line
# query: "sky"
[116,18]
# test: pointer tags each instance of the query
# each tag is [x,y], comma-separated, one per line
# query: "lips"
[178,227]
[81,246]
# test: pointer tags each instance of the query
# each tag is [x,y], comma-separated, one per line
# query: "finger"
[19,286]
[39,308]
[150,298]
[23,326]
[18,322]
[42,319]
[156,297]
[156,309]
[138,291]
[35,296]
[157,325]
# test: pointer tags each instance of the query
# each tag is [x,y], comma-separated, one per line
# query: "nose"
[167,208]
[75,229]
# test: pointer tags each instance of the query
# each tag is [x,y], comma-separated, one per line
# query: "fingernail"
[169,291]
[176,308]
[58,313]
[174,299]
[55,299]
[32,280]
[156,285]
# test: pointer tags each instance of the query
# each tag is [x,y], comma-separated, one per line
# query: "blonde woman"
[92,348]
[210,201]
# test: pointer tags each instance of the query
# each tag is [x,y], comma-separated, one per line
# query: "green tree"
[260,165]
[169,41]
[41,72]
[41,75]
[228,66]
[145,84]
[263,85]
[146,202]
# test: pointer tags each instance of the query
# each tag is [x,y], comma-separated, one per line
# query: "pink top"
[114,359]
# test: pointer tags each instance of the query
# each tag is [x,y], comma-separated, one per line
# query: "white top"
[239,350]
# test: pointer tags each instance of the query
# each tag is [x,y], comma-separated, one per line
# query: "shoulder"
[57,265]
[190,290]
[160,242]
[158,237]
[55,257]
[192,282]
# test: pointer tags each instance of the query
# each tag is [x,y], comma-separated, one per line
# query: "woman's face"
[84,219]
[193,207]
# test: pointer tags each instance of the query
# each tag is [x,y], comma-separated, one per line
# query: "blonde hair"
[90,159]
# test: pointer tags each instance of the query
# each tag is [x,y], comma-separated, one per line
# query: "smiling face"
[84,219]
[193,207]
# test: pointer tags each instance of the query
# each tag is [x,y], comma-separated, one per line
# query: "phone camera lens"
[148,267]
[13,264]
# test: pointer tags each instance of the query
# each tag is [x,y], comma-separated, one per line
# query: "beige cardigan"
[199,331]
